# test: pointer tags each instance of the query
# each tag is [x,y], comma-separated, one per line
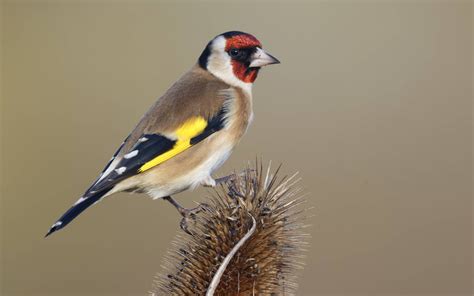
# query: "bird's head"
[235,57]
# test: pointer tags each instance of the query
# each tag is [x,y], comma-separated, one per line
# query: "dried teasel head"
[249,240]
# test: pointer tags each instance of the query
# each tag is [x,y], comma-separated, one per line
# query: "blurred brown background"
[372,104]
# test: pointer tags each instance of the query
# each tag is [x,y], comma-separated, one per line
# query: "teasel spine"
[249,240]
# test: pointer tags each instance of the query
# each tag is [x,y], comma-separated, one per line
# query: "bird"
[189,132]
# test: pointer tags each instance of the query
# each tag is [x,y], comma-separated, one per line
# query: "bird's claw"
[231,177]
[190,214]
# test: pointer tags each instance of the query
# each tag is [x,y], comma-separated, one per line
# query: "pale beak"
[261,58]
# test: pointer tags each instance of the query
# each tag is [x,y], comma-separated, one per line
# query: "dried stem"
[217,277]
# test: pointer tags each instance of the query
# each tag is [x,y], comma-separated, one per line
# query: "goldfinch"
[189,132]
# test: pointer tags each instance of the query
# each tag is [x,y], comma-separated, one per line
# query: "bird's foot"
[187,214]
[229,178]
[231,182]
[190,215]
[211,182]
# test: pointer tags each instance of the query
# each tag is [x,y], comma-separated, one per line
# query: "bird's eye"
[233,52]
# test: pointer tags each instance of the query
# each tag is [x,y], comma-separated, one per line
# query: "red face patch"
[241,70]
[242,41]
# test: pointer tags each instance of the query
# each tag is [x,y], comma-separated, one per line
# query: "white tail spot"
[80,200]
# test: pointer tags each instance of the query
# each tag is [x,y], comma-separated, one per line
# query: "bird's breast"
[239,113]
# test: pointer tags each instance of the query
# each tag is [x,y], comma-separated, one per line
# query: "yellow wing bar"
[188,130]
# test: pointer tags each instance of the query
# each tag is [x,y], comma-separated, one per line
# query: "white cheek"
[219,64]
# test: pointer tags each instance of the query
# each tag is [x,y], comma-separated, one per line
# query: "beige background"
[372,104]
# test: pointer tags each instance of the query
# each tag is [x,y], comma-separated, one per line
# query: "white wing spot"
[120,170]
[143,139]
[131,154]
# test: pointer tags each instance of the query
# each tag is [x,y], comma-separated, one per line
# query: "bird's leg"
[225,179]
[185,213]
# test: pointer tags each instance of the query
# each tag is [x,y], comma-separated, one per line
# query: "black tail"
[75,210]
